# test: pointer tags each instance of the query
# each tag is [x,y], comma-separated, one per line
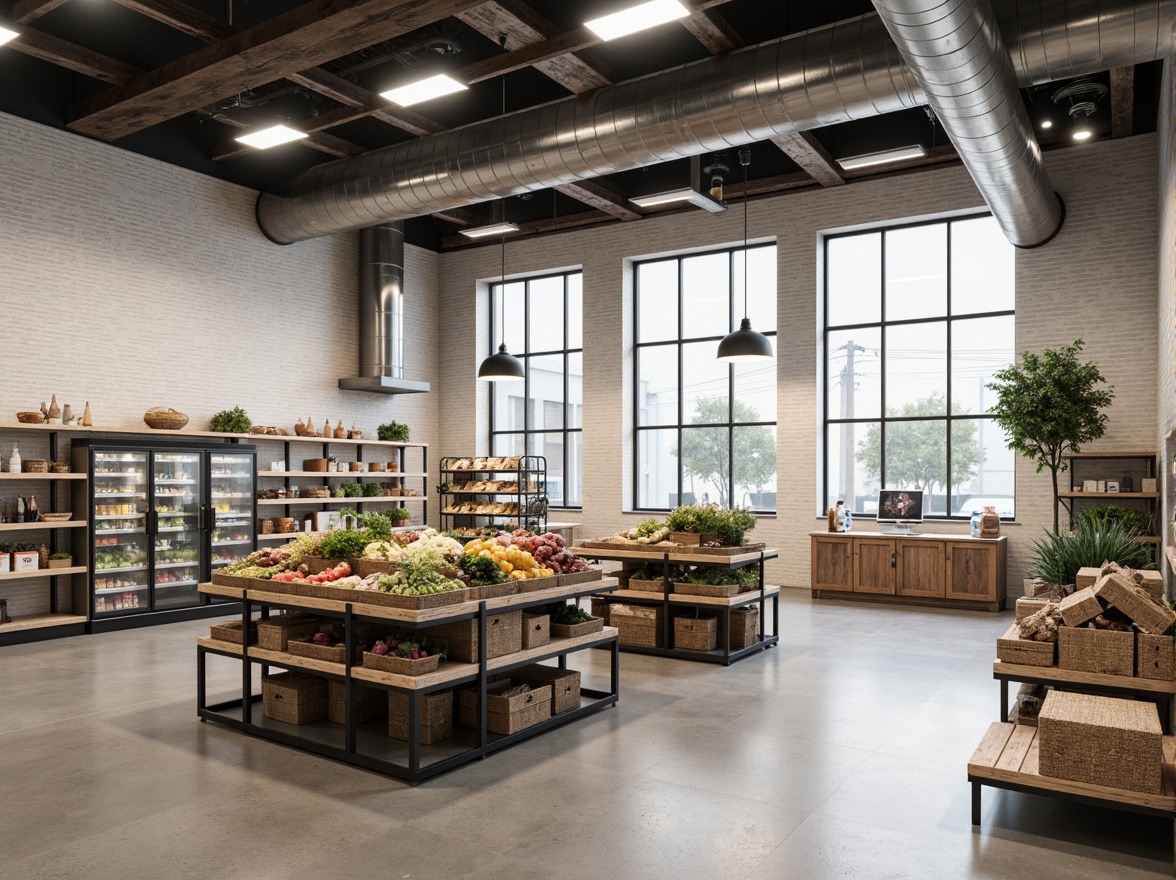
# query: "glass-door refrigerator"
[163,517]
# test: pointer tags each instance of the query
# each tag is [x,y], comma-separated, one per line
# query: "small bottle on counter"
[14,461]
[20,509]
[33,515]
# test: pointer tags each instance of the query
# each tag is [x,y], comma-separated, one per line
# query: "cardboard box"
[1148,484]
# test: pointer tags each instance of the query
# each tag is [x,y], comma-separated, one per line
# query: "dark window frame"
[948,318]
[735,310]
[525,356]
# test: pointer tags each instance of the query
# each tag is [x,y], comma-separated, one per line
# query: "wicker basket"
[580,577]
[1079,607]
[265,527]
[504,635]
[536,630]
[285,525]
[643,586]
[565,684]
[164,419]
[534,585]
[401,665]
[1029,605]
[436,716]
[744,627]
[1096,650]
[575,630]
[718,590]
[691,539]
[598,608]
[275,634]
[695,633]
[230,631]
[498,591]
[294,698]
[1100,741]
[333,654]
[30,417]
[35,466]
[638,625]
[365,567]
[370,703]
[1011,648]
[1119,589]
[507,715]
[1155,657]
[231,580]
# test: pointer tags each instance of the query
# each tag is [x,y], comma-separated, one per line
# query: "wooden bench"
[1007,758]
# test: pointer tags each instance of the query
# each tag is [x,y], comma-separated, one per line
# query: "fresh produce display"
[344,543]
[434,548]
[181,554]
[482,570]
[550,550]
[418,579]
[701,519]
[512,559]
[410,646]
[106,559]
[721,577]
[264,564]
[650,531]
[334,576]
[329,635]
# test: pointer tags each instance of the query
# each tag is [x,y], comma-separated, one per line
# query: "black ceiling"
[42,91]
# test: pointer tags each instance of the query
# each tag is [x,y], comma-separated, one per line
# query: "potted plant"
[399,515]
[1050,404]
[733,524]
[232,421]
[694,524]
[394,431]
[60,559]
[1057,558]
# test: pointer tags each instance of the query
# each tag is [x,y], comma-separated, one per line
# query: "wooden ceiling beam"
[39,44]
[343,91]
[803,148]
[28,11]
[182,17]
[712,29]
[313,33]
[603,196]
[1122,102]
[462,217]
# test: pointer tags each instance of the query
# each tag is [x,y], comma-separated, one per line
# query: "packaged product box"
[25,560]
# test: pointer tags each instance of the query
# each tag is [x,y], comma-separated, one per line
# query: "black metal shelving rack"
[530,496]
[669,602]
[367,745]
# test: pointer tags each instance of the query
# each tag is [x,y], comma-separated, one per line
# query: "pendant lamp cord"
[502,217]
[745,160]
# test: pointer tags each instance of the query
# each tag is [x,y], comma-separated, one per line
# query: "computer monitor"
[900,507]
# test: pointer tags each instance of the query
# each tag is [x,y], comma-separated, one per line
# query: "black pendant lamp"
[745,344]
[502,366]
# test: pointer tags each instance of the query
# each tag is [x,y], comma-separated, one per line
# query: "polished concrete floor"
[839,754]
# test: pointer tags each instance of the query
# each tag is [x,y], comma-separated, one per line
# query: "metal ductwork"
[849,70]
[955,50]
[381,313]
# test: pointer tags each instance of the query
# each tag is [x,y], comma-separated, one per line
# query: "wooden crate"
[565,684]
[1096,650]
[294,698]
[504,635]
[274,634]
[744,627]
[1155,657]
[507,715]
[696,633]
[638,625]
[536,630]
[370,703]
[1011,648]
[436,717]
[1101,741]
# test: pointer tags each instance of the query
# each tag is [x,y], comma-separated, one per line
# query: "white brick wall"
[1095,280]
[1166,301]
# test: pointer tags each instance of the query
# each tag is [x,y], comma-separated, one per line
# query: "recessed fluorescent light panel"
[686,194]
[851,163]
[7,34]
[273,136]
[636,18]
[424,90]
[492,229]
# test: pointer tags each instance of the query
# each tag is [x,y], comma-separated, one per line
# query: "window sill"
[928,521]
[667,511]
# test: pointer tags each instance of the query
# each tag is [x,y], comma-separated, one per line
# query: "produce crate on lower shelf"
[294,698]
[638,625]
[436,716]
[370,703]
[507,714]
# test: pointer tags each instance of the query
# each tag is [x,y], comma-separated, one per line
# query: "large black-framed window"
[542,415]
[704,431]
[917,315]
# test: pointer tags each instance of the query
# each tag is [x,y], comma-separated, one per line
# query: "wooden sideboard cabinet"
[954,571]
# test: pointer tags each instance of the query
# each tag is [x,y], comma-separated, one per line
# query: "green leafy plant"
[568,615]
[722,577]
[733,524]
[232,421]
[1050,404]
[647,527]
[1104,514]
[376,526]
[700,519]
[1057,558]
[344,543]
[370,490]
[400,514]
[5,548]
[482,571]
[59,554]
[395,431]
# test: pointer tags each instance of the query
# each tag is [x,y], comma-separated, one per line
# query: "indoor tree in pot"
[1050,404]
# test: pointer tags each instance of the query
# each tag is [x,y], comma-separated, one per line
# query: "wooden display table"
[669,601]
[1007,758]
[952,571]
[366,744]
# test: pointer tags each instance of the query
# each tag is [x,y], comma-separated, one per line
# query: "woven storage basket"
[536,630]
[643,586]
[164,419]
[744,627]
[1011,648]
[504,635]
[1079,607]
[565,684]
[575,630]
[691,539]
[1120,590]
[1096,650]
[1087,577]
[334,654]
[580,577]
[724,591]
[294,698]
[599,608]
[231,580]
[230,631]
[1100,741]
[1152,581]
[436,719]
[1155,657]
[317,564]
[507,715]
[365,567]
[35,466]
[498,591]
[638,625]
[695,633]
[401,665]
[370,703]
[534,585]
[275,634]
[1027,606]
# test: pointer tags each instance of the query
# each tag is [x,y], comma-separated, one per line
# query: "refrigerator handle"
[153,523]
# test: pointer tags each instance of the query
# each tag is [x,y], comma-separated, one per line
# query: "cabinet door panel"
[971,571]
[873,566]
[832,563]
[921,568]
